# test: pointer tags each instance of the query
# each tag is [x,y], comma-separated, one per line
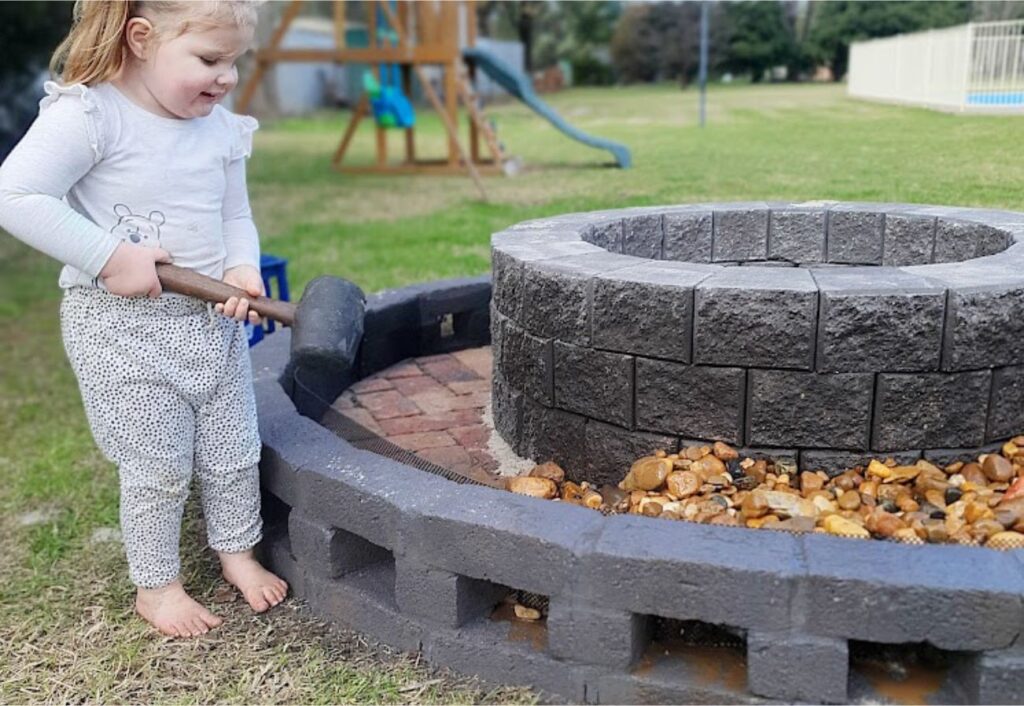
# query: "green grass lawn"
[67,632]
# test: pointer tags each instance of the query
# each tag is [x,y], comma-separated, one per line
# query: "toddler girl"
[133,162]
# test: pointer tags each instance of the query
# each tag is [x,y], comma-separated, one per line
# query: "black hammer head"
[326,336]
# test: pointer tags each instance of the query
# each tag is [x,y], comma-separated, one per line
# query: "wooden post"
[451,107]
[339,24]
[357,115]
[470,10]
[261,63]
[450,126]
[371,24]
[410,133]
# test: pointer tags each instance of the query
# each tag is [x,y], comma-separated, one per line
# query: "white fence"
[973,67]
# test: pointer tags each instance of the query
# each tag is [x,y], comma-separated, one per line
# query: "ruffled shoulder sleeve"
[78,98]
[242,128]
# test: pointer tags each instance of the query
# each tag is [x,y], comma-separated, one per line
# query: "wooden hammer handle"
[184,281]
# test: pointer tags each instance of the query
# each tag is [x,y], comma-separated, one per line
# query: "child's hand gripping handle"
[184,281]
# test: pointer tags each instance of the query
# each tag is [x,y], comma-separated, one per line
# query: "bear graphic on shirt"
[137,229]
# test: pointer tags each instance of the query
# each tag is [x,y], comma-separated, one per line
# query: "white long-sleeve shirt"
[95,169]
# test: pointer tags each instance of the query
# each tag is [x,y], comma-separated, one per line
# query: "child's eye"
[207,61]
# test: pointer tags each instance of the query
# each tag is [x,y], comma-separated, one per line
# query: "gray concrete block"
[587,633]
[688,236]
[878,318]
[527,363]
[517,541]
[996,677]
[365,493]
[594,383]
[835,462]
[958,240]
[276,555]
[364,602]
[675,679]
[797,236]
[606,235]
[551,434]
[944,457]
[556,294]
[328,551]
[278,477]
[740,235]
[909,240]
[992,240]
[693,571]
[692,401]
[930,410]
[556,304]
[647,310]
[269,356]
[290,441]
[550,232]
[886,592]
[791,456]
[497,321]
[855,237]
[440,597]
[502,653]
[507,409]
[756,317]
[984,326]
[642,236]
[809,409]
[507,278]
[779,666]
[611,450]
[1006,411]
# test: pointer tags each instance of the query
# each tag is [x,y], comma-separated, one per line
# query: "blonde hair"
[95,48]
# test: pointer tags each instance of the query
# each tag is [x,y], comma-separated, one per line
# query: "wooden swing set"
[427,33]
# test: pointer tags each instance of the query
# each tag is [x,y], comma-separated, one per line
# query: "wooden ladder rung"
[469,98]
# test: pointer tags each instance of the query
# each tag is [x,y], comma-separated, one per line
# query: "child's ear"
[138,34]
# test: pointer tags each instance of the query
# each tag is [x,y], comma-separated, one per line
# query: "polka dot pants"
[167,388]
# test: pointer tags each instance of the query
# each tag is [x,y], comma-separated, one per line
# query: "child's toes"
[258,603]
[209,619]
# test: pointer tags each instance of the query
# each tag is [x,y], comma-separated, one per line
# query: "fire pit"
[826,333]
[640,609]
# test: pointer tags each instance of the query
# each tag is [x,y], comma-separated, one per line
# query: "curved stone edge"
[363,538]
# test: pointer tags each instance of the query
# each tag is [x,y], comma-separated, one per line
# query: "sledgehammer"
[327,324]
[184,281]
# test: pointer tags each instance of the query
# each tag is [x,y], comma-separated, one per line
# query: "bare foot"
[173,612]
[262,589]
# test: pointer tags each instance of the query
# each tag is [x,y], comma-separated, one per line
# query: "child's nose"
[228,78]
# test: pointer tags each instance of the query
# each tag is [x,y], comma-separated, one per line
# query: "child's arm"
[60,147]
[241,243]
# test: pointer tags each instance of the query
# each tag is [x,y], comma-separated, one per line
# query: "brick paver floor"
[431,406]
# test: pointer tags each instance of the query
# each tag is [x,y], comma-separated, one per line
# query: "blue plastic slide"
[519,85]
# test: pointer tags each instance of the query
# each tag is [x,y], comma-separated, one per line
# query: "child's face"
[189,74]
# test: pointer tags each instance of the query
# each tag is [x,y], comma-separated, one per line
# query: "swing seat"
[392,109]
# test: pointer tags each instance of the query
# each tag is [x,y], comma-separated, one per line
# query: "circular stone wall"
[822,332]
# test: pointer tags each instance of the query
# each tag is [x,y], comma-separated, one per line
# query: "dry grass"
[75,638]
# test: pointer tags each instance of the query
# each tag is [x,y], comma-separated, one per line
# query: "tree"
[498,16]
[635,45]
[838,23]
[758,38]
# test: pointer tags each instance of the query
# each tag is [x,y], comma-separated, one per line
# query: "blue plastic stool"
[273,269]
